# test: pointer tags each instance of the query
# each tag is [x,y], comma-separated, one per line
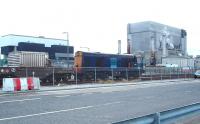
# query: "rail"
[164,116]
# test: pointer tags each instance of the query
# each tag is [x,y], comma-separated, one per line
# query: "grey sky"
[97,24]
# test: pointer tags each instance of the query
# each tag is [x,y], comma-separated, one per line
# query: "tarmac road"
[100,105]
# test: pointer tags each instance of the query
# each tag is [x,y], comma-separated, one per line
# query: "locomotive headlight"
[7,70]
[13,70]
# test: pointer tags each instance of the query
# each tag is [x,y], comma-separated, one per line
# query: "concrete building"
[155,41]
[59,53]
[178,61]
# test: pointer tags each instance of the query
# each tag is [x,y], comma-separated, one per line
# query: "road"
[101,105]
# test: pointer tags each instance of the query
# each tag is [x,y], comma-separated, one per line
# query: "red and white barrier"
[21,84]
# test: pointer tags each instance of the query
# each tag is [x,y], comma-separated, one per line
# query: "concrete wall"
[180,61]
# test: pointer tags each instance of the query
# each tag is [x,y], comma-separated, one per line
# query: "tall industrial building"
[156,41]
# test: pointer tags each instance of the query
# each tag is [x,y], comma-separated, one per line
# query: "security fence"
[59,76]
[160,73]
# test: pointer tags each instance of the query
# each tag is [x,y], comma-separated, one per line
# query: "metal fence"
[55,76]
[161,73]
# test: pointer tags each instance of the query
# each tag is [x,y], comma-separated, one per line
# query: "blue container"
[5,50]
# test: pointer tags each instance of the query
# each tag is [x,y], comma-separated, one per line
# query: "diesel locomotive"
[103,66]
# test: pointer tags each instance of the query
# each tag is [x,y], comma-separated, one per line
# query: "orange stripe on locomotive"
[78,61]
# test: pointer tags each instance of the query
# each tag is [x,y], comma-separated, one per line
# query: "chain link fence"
[161,73]
[68,76]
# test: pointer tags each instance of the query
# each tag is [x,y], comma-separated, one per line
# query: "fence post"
[151,75]
[157,118]
[33,74]
[188,75]
[160,74]
[178,72]
[185,74]
[126,74]
[53,77]
[95,75]
[193,71]
[139,72]
[26,71]
[76,76]
[112,74]
[181,75]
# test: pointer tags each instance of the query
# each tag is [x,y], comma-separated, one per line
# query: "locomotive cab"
[78,61]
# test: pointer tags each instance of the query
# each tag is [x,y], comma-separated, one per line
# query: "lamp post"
[67,48]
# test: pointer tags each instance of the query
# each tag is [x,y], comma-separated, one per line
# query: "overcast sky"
[97,24]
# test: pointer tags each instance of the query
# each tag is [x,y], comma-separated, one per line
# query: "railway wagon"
[103,66]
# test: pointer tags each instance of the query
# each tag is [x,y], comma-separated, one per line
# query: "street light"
[67,48]
[67,37]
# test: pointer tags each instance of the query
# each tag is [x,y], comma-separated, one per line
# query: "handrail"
[164,116]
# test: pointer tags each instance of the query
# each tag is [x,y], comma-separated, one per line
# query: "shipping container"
[27,59]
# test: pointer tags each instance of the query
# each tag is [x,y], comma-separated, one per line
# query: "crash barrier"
[165,116]
[21,84]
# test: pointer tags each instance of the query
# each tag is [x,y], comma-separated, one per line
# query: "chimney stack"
[119,46]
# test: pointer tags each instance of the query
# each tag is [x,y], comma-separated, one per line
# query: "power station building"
[155,41]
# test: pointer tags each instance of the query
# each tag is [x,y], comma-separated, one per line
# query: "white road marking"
[39,95]
[59,111]
[149,97]
[19,100]
[63,96]
[18,94]
[188,91]
[146,98]
[86,94]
